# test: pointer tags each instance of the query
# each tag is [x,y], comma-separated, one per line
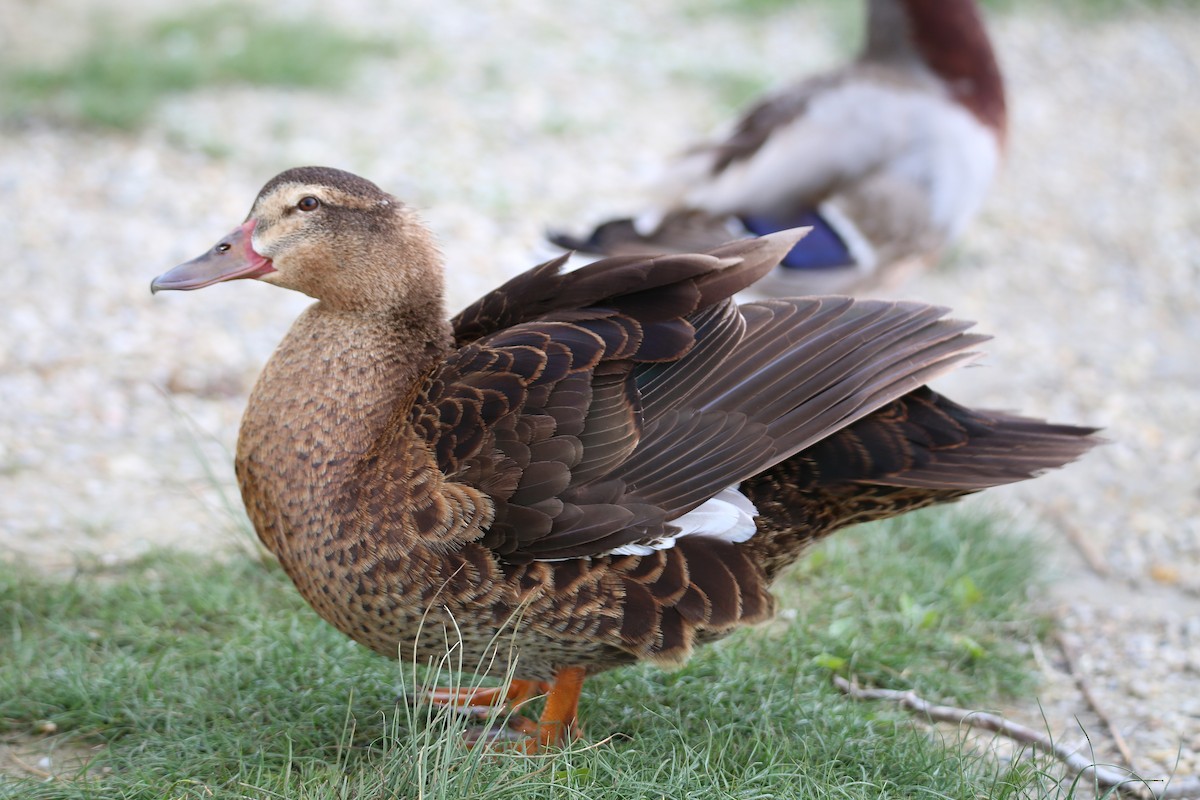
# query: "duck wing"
[600,428]
[704,191]
[672,284]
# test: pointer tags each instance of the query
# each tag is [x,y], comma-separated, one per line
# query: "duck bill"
[231,258]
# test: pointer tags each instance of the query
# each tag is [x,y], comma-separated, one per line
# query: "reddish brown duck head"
[949,39]
[327,233]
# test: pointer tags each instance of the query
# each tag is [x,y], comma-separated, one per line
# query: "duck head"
[329,234]
[949,39]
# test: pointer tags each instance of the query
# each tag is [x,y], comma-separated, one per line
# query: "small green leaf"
[817,559]
[966,592]
[971,647]
[579,773]
[830,662]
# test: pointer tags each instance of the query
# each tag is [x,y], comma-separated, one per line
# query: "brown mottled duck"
[610,465]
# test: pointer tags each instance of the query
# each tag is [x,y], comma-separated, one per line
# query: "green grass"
[120,78]
[214,680]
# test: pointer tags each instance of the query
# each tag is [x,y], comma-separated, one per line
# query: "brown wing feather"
[927,441]
[657,287]
[918,450]
[804,369]
[718,331]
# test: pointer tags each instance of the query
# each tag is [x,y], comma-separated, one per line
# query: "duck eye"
[308,203]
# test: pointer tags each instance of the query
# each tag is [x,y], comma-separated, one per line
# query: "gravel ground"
[118,411]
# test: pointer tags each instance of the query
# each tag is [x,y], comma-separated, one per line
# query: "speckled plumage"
[426,483]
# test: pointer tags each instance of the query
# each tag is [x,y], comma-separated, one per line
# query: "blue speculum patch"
[822,248]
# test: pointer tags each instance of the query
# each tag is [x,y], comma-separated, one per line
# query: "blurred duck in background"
[886,159]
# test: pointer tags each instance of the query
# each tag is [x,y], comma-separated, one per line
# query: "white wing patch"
[860,249]
[727,516]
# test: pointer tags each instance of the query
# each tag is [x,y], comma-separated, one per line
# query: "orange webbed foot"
[557,725]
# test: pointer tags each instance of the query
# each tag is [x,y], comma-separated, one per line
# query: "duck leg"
[557,724]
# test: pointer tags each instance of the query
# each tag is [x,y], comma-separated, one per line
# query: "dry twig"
[1105,777]
[1086,690]
[1083,544]
[32,770]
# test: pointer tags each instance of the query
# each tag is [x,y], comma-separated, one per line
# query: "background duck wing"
[806,144]
[766,118]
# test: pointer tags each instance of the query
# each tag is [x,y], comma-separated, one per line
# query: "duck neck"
[323,400]
[947,38]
